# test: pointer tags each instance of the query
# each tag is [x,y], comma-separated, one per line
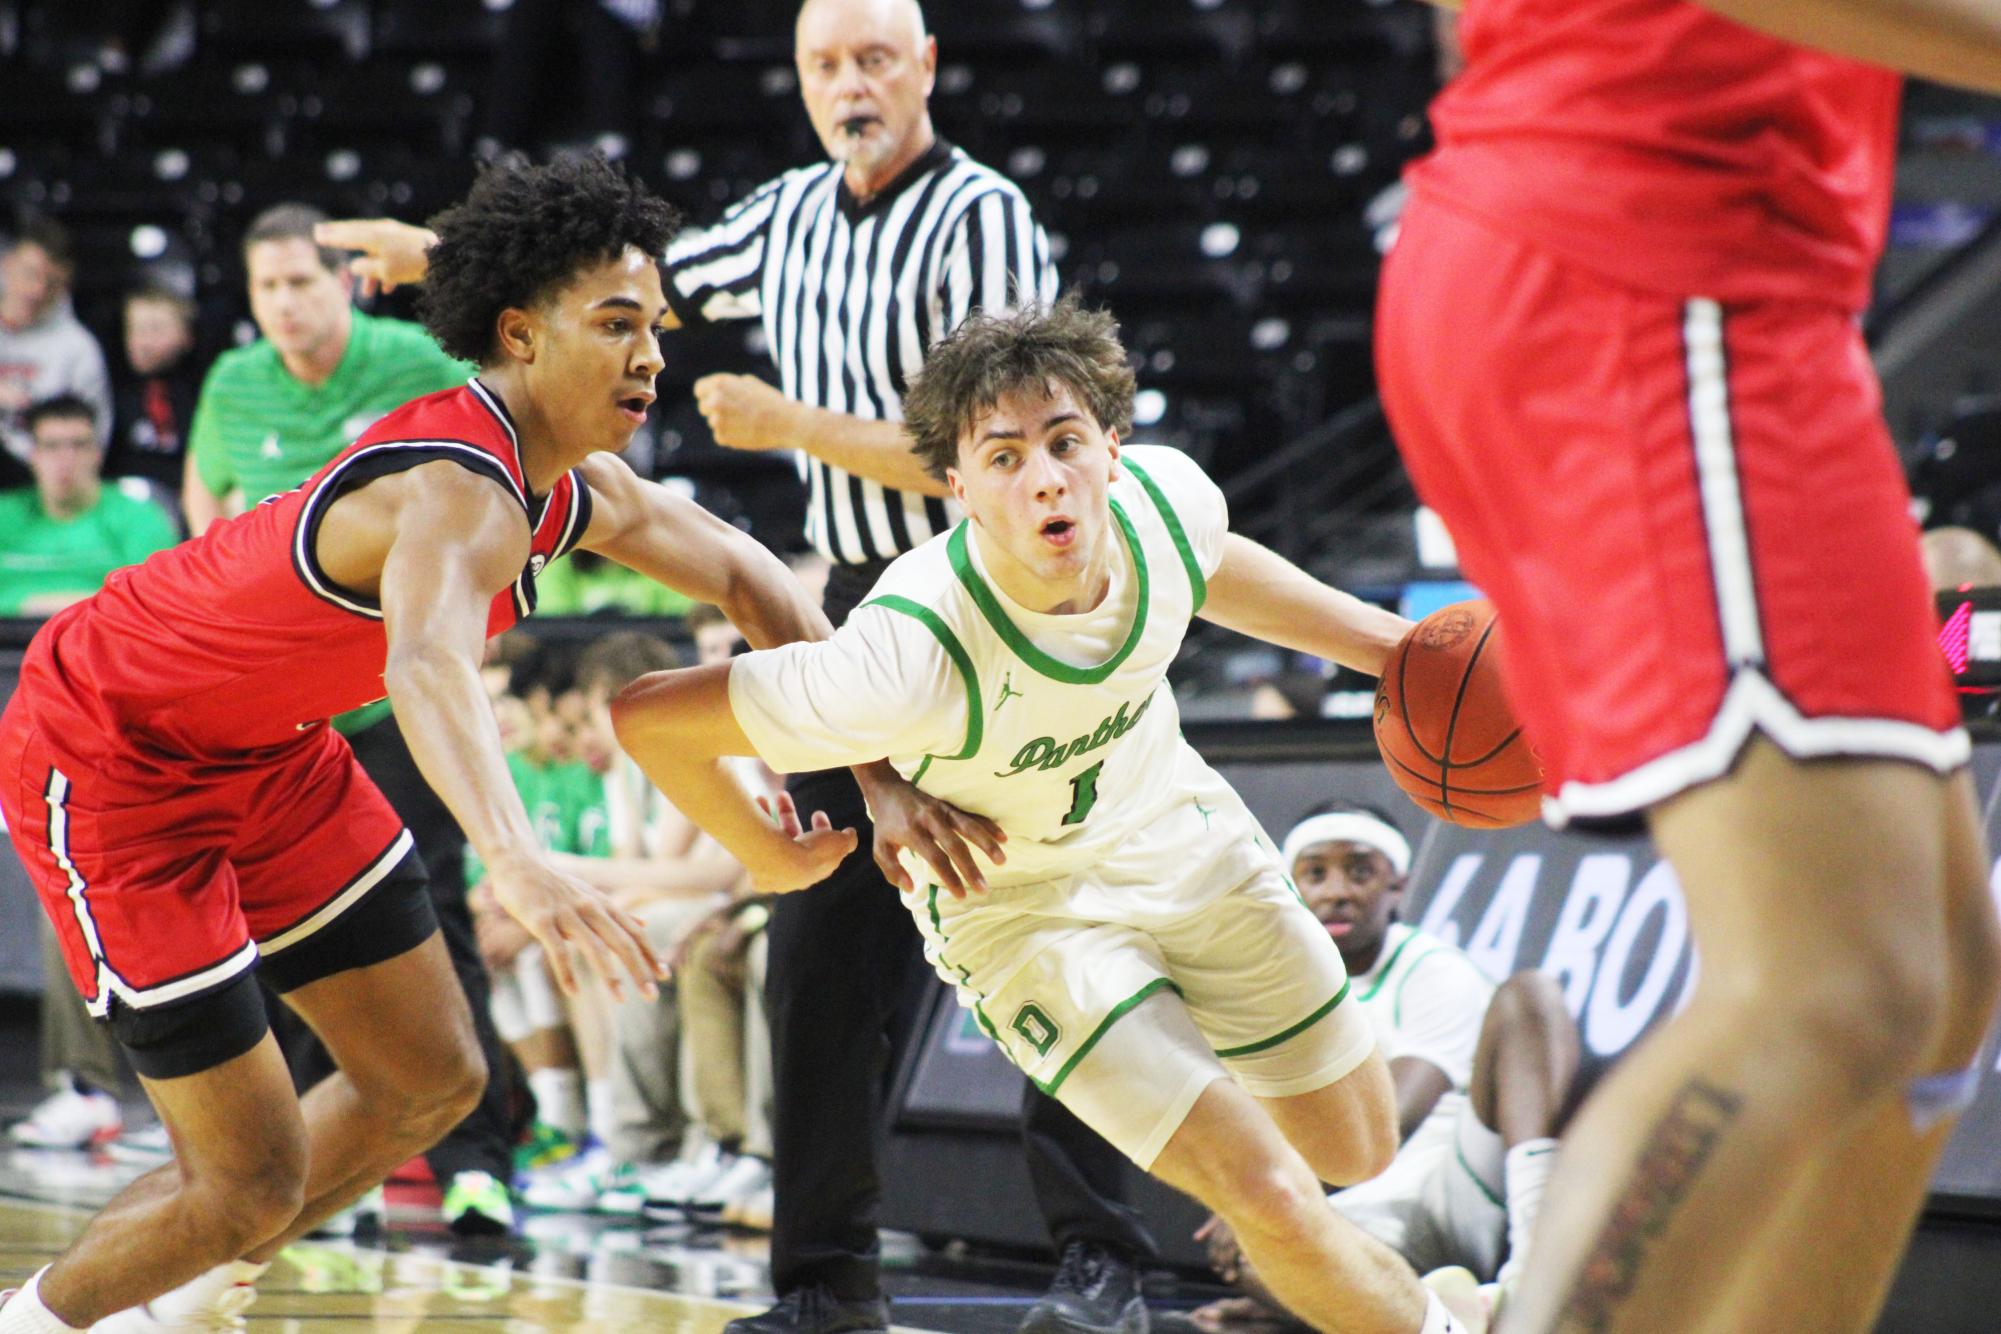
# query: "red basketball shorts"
[1689,515]
[165,881]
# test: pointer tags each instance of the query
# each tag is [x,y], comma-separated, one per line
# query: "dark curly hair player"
[224,828]
[522,231]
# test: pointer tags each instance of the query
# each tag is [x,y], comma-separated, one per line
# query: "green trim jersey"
[1060,728]
[1141,940]
[1427,999]
[42,555]
[259,428]
[1440,1202]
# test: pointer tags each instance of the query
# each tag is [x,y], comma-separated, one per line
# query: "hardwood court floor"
[559,1273]
[340,1286]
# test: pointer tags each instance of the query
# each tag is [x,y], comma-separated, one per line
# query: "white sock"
[1526,1173]
[25,1314]
[559,1099]
[1438,1320]
[597,1102]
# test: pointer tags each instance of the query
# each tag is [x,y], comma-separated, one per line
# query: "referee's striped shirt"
[852,296]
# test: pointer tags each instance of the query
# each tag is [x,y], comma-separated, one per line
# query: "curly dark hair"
[988,356]
[523,230]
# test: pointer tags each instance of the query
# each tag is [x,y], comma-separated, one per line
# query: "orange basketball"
[1444,726]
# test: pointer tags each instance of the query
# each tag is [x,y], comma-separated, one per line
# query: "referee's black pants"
[480,1143]
[844,993]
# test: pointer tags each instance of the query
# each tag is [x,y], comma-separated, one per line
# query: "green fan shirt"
[41,555]
[260,429]
[565,805]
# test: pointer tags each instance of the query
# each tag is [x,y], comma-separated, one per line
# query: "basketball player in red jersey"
[1617,340]
[169,780]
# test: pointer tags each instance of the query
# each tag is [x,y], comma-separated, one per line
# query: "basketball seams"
[1445,766]
[1403,711]
[1457,691]
[1421,776]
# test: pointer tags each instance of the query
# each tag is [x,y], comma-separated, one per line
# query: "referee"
[856,267]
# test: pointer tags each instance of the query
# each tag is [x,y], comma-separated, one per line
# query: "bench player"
[173,789]
[1484,1075]
[1618,344]
[1139,953]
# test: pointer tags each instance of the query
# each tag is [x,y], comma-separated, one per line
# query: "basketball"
[1445,728]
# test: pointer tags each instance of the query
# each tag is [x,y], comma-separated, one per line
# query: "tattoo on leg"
[1681,1143]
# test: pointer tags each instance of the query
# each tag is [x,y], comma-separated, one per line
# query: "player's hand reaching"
[391,253]
[746,413]
[816,848]
[571,918]
[937,831]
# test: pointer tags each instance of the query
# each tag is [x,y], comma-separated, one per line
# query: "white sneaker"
[144,1147]
[751,1211]
[212,1301]
[69,1120]
[571,1185]
[744,1176]
[669,1188]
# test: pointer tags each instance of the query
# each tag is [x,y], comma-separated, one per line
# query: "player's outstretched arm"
[678,726]
[390,254]
[1257,592]
[1951,41]
[672,540]
[447,541]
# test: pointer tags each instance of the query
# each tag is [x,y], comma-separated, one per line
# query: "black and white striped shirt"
[852,296]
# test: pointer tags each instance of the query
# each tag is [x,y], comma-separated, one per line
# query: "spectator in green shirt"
[60,538]
[272,413]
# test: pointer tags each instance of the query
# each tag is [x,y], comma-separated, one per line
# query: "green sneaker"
[476,1205]
[545,1144]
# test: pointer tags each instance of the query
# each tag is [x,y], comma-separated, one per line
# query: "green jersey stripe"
[1196,582]
[1252,1048]
[1018,643]
[954,650]
[1119,1012]
[1383,975]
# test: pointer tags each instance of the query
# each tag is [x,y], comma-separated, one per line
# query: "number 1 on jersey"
[1083,794]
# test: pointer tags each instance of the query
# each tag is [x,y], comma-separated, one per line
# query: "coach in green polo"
[271,413]
[269,416]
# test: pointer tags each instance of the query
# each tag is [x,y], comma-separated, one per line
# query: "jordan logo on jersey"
[1046,752]
[269,449]
[1007,692]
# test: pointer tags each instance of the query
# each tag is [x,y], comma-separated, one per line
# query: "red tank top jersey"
[236,641]
[1668,148]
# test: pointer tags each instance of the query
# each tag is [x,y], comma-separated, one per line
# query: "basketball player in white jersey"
[1137,950]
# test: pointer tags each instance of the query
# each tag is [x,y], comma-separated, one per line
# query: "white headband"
[1347,827]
